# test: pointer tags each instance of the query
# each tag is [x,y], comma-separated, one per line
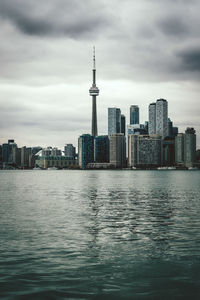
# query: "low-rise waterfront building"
[54,158]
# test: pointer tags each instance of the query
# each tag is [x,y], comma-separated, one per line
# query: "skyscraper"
[117,150]
[85,150]
[179,149]
[152,118]
[70,151]
[134,114]
[101,149]
[114,120]
[94,92]
[161,117]
[123,124]
[189,147]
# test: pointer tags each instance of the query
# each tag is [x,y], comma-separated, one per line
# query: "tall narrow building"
[114,120]
[152,118]
[134,114]
[161,117]
[94,92]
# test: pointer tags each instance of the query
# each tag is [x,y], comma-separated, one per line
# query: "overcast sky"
[145,50]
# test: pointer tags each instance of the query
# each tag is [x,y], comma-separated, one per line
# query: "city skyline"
[44,76]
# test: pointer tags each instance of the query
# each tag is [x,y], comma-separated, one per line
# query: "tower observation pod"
[94,92]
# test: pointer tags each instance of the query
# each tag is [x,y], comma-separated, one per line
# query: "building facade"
[70,151]
[179,149]
[168,152]
[50,158]
[134,114]
[152,118]
[85,150]
[144,151]
[123,124]
[101,149]
[117,150]
[162,117]
[114,120]
[189,147]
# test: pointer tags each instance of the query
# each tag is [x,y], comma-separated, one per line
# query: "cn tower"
[94,92]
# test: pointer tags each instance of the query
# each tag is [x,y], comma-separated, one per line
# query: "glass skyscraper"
[85,150]
[134,114]
[114,120]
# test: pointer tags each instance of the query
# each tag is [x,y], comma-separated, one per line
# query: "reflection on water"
[94,234]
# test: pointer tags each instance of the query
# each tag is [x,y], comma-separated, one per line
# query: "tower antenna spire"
[94,62]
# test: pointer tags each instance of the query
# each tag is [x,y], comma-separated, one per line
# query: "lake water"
[100,234]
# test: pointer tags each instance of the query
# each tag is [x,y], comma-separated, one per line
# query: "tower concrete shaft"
[94,92]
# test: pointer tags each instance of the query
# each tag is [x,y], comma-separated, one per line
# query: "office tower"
[101,149]
[169,128]
[123,124]
[161,117]
[134,114]
[146,127]
[189,147]
[70,151]
[17,157]
[7,152]
[25,157]
[152,118]
[144,151]
[85,150]
[114,120]
[168,149]
[175,131]
[94,92]
[117,150]
[179,149]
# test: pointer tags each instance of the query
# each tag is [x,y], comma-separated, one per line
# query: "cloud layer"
[145,50]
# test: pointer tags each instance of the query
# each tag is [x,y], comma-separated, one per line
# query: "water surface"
[100,234]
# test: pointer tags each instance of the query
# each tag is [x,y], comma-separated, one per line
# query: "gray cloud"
[173,26]
[190,59]
[63,17]
[145,49]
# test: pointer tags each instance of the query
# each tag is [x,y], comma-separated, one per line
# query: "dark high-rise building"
[70,151]
[101,149]
[0,156]
[169,128]
[190,147]
[114,120]
[175,131]
[26,154]
[94,92]
[179,149]
[168,151]
[123,124]
[134,114]
[85,150]
[7,152]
